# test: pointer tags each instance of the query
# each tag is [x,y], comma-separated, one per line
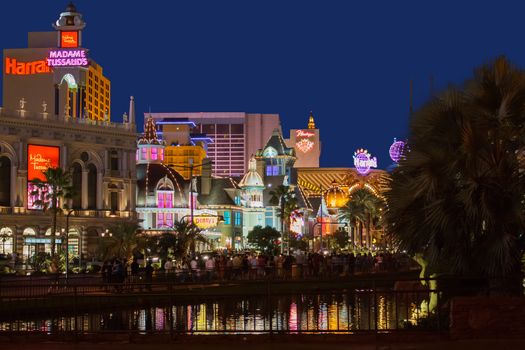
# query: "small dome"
[335,197]
[252,177]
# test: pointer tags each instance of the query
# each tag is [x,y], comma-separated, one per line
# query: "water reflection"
[334,312]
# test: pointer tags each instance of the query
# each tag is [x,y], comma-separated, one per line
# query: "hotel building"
[236,136]
[41,127]
[64,80]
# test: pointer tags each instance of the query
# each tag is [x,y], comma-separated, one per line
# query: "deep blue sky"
[349,61]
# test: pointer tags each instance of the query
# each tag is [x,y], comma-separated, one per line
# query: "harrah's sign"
[67,58]
[12,66]
[304,133]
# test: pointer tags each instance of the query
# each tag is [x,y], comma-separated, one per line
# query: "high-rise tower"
[64,81]
[307,145]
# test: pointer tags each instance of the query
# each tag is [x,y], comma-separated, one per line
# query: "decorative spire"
[131,114]
[150,133]
[311,121]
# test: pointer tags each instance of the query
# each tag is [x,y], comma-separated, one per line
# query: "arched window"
[165,194]
[6,240]
[92,186]
[29,247]
[5,184]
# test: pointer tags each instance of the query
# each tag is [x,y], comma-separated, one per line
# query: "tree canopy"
[456,197]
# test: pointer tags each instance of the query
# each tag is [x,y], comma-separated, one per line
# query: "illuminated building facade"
[41,125]
[183,148]
[101,162]
[163,194]
[307,145]
[65,82]
[236,135]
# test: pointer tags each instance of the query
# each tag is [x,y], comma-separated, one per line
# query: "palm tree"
[284,197]
[457,198]
[187,236]
[57,187]
[125,240]
[363,210]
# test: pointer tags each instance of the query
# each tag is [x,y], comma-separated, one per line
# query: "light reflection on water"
[341,312]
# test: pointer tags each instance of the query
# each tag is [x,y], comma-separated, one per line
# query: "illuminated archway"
[70,80]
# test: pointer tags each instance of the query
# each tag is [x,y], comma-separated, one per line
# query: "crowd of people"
[247,266]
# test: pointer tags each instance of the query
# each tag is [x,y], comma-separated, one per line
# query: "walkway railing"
[81,309]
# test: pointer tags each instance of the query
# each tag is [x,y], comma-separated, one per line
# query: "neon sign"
[67,58]
[297,222]
[205,222]
[363,161]
[396,150]
[39,159]
[304,133]
[305,145]
[68,39]
[14,67]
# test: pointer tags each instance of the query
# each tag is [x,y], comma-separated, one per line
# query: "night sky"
[350,62]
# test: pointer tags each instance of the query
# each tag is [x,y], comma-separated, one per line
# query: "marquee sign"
[69,39]
[363,161]
[304,144]
[205,221]
[297,222]
[14,67]
[39,158]
[67,58]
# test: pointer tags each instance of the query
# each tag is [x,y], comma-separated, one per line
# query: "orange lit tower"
[65,82]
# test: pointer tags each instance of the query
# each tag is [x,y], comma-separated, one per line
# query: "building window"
[165,199]
[144,153]
[227,218]
[160,220]
[154,154]
[161,154]
[272,170]
[237,218]
[114,160]
[6,237]
[237,200]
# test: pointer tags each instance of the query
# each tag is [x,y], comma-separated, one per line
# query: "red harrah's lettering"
[12,66]
[303,133]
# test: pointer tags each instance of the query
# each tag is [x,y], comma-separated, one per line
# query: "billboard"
[39,159]
[68,39]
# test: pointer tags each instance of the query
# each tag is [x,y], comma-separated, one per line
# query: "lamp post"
[190,167]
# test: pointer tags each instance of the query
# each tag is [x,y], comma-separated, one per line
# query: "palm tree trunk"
[360,234]
[368,233]
[53,232]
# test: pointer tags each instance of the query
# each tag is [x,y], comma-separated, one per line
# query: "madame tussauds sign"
[67,58]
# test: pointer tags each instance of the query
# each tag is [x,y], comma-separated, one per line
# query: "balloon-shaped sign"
[363,161]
